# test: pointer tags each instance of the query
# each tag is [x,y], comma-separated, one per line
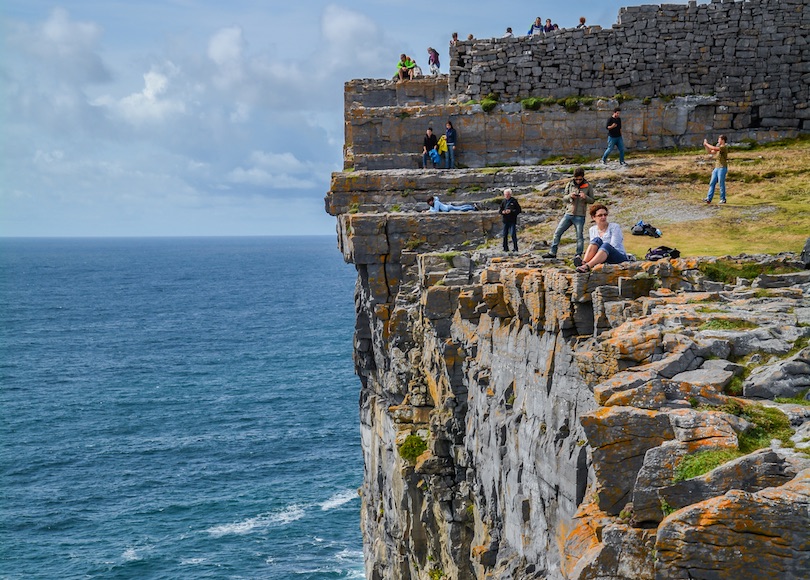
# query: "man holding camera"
[577,195]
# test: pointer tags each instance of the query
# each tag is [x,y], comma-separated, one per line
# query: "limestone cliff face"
[555,407]
[521,420]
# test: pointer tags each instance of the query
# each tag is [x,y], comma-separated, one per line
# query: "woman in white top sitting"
[607,241]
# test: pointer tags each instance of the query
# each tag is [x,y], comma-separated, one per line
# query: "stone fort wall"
[689,71]
[753,55]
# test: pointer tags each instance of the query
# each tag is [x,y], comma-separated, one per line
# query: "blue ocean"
[178,408]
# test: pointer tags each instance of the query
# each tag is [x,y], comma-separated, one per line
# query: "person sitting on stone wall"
[582,22]
[405,68]
[607,241]
[437,206]
[430,143]
[536,28]
[549,27]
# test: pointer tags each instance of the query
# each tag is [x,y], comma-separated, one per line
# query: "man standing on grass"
[614,128]
[720,167]
[509,210]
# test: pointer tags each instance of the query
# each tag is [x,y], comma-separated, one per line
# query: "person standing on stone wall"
[433,61]
[577,195]
[450,137]
[614,128]
[454,39]
[429,143]
[536,28]
[720,167]
[509,210]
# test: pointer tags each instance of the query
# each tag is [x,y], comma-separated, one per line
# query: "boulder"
[619,438]
[786,378]
[739,536]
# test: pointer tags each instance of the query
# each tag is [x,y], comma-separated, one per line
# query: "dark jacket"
[617,130]
[430,142]
[514,209]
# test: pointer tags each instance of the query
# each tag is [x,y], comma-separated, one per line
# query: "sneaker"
[707,201]
[622,163]
[604,162]
[577,262]
[722,201]
[549,255]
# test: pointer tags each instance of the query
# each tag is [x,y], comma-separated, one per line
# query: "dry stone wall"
[689,71]
[754,56]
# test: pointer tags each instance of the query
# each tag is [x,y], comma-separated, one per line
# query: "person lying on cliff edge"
[430,143]
[436,206]
[405,68]
[577,195]
[607,242]
[509,210]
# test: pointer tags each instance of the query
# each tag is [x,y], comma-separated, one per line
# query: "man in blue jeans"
[614,128]
[577,195]
[720,167]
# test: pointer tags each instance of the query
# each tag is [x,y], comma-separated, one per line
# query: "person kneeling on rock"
[437,206]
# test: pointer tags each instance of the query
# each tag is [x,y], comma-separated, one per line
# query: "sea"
[178,408]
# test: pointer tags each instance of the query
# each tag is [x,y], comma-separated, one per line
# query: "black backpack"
[662,252]
[645,229]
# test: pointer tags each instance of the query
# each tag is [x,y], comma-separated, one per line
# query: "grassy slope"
[768,209]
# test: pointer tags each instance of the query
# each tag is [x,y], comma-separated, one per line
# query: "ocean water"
[178,408]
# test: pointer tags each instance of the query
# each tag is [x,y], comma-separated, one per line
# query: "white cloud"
[150,104]
[225,49]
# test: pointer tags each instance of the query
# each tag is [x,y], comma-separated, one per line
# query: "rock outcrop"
[522,420]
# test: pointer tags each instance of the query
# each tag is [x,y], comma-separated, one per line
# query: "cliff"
[522,420]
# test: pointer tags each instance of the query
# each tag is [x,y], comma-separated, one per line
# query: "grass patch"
[797,400]
[412,448]
[414,243]
[727,271]
[396,207]
[769,423]
[726,324]
[488,103]
[449,256]
[354,208]
[703,462]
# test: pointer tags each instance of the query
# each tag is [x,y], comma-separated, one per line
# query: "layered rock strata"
[555,407]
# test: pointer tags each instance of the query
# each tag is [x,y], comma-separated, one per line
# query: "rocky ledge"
[523,420]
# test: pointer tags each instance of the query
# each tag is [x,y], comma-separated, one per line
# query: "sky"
[204,117]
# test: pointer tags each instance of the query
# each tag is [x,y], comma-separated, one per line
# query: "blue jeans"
[509,227]
[465,207]
[450,156]
[614,256]
[425,159]
[718,176]
[614,142]
[568,220]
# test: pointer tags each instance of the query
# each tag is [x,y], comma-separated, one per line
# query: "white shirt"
[612,236]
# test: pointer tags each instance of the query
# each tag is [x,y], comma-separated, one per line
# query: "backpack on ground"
[644,229]
[661,252]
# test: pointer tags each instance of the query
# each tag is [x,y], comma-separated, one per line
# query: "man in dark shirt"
[509,210]
[430,142]
[614,127]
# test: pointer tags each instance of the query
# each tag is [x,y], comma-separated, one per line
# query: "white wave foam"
[130,555]
[258,523]
[187,561]
[339,499]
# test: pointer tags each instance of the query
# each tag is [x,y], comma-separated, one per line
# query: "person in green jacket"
[577,195]
[405,67]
